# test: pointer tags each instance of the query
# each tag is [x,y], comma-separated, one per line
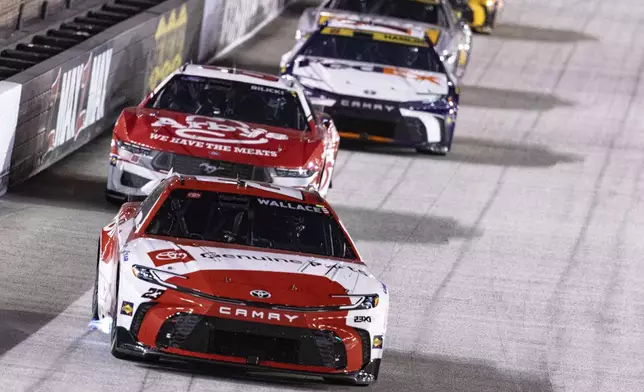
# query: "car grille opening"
[399,129]
[366,346]
[234,338]
[196,166]
[137,320]
[132,180]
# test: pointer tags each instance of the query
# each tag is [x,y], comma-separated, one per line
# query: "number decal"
[362,319]
[153,293]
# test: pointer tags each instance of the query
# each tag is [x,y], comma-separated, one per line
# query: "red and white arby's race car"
[213,121]
[243,273]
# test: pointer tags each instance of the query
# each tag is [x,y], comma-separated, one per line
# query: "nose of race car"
[264,287]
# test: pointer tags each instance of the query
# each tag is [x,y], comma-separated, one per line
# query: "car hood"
[364,80]
[290,279]
[216,138]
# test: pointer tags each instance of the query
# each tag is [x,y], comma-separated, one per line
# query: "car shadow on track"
[399,372]
[16,326]
[496,98]
[479,152]
[542,34]
[388,226]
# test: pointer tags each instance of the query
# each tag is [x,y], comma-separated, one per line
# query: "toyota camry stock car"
[379,82]
[205,120]
[452,38]
[239,272]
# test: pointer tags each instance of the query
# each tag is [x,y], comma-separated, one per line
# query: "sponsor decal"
[375,106]
[362,319]
[308,264]
[400,39]
[292,206]
[256,314]
[405,73]
[127,308]
[169,256]
[170,37]
[80,94]
[377,341]
[215,134]
[265,89]
[260,294]
[153,293]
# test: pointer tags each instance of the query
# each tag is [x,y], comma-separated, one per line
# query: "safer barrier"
[68,99]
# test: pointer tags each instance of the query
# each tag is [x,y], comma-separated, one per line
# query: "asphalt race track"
[514,263]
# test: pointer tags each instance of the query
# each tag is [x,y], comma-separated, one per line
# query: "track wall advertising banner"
[9,103]
[169,51]
[77,96]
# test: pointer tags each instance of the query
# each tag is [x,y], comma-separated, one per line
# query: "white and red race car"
[205,120]
[239,272]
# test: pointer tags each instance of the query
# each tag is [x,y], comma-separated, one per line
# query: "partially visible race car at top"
[239,272]
[379,82]
[451,37]
[480,15]
[206,120]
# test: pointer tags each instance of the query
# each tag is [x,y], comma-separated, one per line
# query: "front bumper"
[157,331]
[127,345]
[400,126]
[126,178]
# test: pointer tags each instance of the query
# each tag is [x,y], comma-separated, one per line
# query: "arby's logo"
[216,130]
[169,256]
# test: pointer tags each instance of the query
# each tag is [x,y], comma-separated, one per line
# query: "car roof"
[375,24]
[239,75]
[244,187]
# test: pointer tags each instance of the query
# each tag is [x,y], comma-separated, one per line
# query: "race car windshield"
[360,6]
[251,221]
[363,48]
[232,100]
[413,10]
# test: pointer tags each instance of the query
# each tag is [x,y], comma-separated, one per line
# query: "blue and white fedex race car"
[381,83]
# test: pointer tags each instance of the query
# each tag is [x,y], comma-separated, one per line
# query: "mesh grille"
[196,166]
[137,320]
[210,335]
[366,346]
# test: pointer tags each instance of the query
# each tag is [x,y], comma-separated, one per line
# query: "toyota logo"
[370,92]
[172,255]
[260,294]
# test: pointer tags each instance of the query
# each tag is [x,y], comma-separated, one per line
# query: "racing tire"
[95,293]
